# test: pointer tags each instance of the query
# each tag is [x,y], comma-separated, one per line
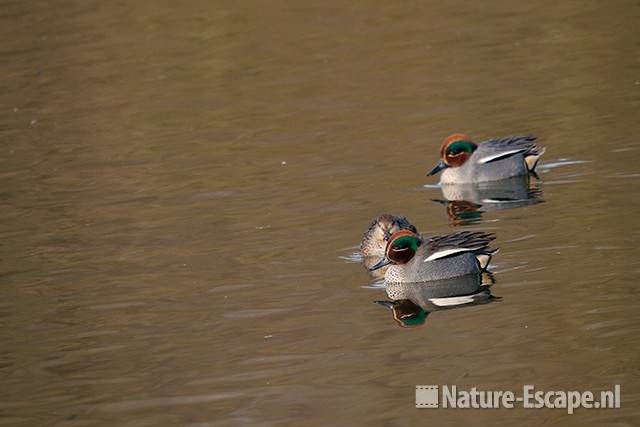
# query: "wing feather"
[511,145]
[501,155]
[457,243]
[446,252]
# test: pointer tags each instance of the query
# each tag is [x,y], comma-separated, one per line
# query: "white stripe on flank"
[447,252]
[500,155]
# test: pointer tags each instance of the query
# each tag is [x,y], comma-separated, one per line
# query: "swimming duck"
[412,258]
[374,240]
[463,161]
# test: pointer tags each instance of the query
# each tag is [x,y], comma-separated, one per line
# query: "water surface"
[182,182]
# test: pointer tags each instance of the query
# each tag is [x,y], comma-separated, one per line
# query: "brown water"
[183,185]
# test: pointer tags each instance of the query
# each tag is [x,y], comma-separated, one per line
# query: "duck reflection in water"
[465,203]
[411,303]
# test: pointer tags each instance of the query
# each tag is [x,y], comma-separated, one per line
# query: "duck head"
[401,249]
[388,224]
[455,150]
[375,239]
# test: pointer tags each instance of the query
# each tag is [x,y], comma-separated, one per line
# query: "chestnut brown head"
[455,150]
[401,249]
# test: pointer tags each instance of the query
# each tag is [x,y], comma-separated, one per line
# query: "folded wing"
[476,242]
[502,148]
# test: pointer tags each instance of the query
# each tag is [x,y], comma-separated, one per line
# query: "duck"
[462,161]
[412,258]
[374,240]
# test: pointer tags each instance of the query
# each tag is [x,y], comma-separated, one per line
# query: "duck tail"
[484,257]
[532,157]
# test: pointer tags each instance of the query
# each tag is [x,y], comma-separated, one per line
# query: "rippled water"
[183,182]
